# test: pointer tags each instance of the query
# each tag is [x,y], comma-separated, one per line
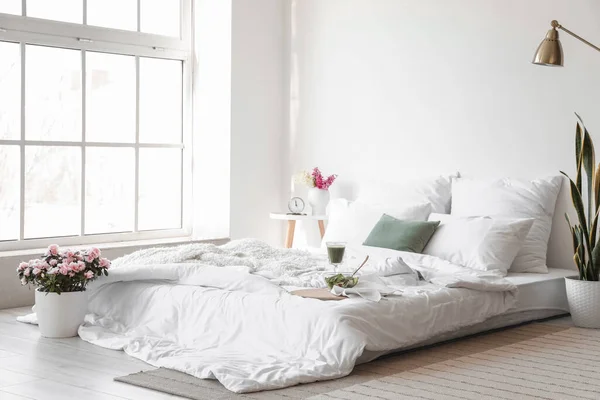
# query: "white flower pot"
[318,200]
[59,315]
[584,302]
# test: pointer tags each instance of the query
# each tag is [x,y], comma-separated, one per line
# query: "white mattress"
[541,291]
[540,296]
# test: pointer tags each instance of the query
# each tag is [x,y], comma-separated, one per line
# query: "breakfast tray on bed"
[320,294]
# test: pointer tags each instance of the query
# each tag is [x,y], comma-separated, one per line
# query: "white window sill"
[36,252]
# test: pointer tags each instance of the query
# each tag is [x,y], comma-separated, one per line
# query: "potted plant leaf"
[583,292]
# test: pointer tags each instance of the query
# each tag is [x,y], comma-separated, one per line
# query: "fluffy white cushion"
[513,198]
[480,243]
[352,222]
[435,190]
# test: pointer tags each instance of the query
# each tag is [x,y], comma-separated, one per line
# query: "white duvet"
[222,313]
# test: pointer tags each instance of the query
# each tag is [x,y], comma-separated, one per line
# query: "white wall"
[212,118]
[404,87]
[257,111]
[239,109]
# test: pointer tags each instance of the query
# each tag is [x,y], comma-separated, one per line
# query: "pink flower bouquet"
[315,179]
[63,270]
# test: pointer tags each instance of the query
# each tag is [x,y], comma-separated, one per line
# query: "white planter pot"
[59,315]
[318,200]
[584,302]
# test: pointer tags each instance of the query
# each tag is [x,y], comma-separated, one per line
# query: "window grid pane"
[159,189]
[116,14]
[56,10]
[109,190]
[10,166]
[160,17]
[160,100]
[57,181]
[110,98]
[52,191]
[52,93]
[10,90]
[10,7]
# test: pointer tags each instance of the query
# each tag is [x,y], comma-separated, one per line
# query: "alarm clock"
[296,205]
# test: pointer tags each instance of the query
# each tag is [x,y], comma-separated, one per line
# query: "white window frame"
[35,31]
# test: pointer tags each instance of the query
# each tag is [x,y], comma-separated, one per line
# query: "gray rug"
[178,383]
[536,361]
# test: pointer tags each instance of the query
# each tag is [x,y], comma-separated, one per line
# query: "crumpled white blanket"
[29,318]
[221,313]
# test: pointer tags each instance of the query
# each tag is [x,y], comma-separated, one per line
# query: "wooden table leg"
[289,237]
[321,228]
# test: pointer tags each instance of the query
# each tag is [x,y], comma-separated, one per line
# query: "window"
[94,121]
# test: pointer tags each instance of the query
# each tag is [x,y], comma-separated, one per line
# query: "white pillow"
[513,198]
[435,190]
[480,243]
[351,222]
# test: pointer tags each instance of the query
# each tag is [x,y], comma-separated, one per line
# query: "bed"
[200,310]
[227,312]
[539,296]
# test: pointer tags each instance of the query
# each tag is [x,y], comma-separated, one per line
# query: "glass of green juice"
[335,253]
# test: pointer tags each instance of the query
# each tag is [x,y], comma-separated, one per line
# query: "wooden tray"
[320,294]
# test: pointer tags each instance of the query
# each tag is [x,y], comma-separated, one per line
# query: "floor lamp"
[550,51]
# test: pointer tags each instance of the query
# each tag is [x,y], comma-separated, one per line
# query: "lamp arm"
[559,26]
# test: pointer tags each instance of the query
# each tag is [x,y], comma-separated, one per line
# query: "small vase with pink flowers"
[318,189]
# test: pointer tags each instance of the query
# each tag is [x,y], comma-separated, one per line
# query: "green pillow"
[403,235]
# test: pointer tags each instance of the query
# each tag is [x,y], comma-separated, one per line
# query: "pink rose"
[53,249]
[27,272]
[89,275]
[77,266]
[44,265]
[53,262]
[36,271]
[71,274]
[22,266]
[63,269]
[104,263]
[92,254]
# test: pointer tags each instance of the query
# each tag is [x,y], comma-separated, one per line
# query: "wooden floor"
[33,367]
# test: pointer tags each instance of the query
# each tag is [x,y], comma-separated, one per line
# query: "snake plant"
[585,194]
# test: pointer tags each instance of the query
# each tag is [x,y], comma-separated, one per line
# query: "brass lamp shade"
[550,51]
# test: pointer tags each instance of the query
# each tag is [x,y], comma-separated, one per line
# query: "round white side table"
[291,226]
